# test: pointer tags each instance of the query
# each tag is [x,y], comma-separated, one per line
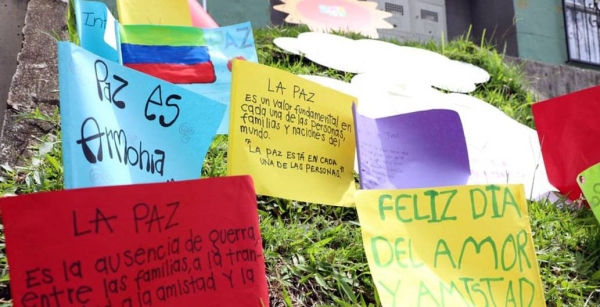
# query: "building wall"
[541,31]
[458,17]
[112,7]
[228,12]
[277,17]
[491,20]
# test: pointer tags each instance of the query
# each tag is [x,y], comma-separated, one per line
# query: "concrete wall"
[12,20]
[35,82]
[228,12]
[549,81]
[541,31]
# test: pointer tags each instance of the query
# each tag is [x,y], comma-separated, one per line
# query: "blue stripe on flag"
[142,54]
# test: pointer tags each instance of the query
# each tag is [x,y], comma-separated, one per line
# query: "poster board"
[162,244]
[451,246]
[294,137]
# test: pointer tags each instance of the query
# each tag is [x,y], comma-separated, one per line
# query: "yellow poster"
[294,137]
[451,246]
[154,12]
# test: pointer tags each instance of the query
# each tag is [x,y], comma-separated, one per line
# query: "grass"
[314,254]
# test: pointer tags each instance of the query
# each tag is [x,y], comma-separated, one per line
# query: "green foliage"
[43,171]
[72,23]
[568,250]
[314,254]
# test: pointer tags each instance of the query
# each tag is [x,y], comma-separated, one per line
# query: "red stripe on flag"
[179,73]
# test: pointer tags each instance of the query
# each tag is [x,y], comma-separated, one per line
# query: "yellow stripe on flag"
[155,12]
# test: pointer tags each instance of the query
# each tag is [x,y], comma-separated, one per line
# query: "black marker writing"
[155,98]
[118,148]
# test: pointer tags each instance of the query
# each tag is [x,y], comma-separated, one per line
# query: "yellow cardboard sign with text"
[451,246]
[154,12]
[294,137]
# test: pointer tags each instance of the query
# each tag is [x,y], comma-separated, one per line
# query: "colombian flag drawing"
[173,53]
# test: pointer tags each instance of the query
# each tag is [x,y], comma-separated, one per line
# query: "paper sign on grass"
[589,181]
[413,150]
[168,244]
[295,137]
[197,59]
[97,29]
[171,53]
[224,45]
[120,126]
[568,134]
[154,12]
[451,246]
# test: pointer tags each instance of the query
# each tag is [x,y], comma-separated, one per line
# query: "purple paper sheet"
[413,150]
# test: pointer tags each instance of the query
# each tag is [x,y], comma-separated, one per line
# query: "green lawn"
[314,253]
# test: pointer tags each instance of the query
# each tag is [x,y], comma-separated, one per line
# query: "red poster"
[568,134]
[188,243]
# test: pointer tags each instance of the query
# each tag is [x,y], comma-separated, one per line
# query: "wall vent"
[429,15]
[394,8]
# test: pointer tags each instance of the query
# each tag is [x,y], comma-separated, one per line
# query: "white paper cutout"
[288,44]
[400,65]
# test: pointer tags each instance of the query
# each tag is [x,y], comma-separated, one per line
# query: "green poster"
[589,181]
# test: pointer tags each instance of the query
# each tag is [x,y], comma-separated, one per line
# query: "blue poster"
[120,126]
[97,29]
[225,44]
